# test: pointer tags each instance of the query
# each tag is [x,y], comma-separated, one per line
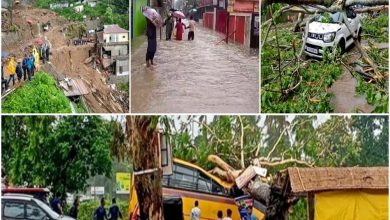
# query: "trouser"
[152,46]
[5,83]
[24,72]
[150,56]
[29,74]
[11,77]
[32,70]
[47,54]
[169,34]
[191,35]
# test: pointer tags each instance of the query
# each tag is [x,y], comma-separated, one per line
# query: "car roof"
[25,190]
[18,197]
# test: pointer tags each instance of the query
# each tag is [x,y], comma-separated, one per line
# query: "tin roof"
[114,29]
[326,178]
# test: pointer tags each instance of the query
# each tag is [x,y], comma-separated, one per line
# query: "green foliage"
[299,211]
[124,87]
[61,152]
[376,28]
[110,12]
[86,209]
[108,16]
[38,96]
[325,18]
[376,92]
[317,76]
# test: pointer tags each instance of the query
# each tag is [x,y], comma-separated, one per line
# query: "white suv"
[333,33]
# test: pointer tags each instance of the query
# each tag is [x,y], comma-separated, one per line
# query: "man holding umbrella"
[169,23]
[153,20]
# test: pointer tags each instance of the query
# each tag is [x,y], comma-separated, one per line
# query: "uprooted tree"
[143,142]
[308,10]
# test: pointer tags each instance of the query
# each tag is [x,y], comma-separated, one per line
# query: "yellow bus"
[190,183]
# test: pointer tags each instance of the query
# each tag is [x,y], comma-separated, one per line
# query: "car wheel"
[341,46]
[360,35]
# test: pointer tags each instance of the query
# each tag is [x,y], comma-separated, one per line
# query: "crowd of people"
[170,23]
[24,68]
[100,212]
[196,213]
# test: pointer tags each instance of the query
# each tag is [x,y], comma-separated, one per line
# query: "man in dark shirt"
[74,210]
[100,212]
[152,42]
[114,211]
[56,204]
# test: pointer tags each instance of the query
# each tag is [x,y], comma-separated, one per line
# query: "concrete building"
[113,48]
[238,19]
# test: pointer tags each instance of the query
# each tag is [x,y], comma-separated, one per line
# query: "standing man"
[152,42]
[32,58]
[11,70]
[19,70]
[114,211]
[191,33]
[24,65]
[169,23]
[195,212]
[56,203]
[47,47]
[100,212]
[74,210]
[3,80]
[229,215]
[30,66]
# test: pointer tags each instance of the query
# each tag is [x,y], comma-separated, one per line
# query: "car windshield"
[47,209]
[330,18]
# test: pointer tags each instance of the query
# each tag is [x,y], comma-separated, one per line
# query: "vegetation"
[110,12]
[87,208]
[311,95]
[375,31]
[124,87]
[57,151]
[288,87]
[38,96]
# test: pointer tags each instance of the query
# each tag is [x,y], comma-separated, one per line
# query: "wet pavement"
[195,76]
[345,98]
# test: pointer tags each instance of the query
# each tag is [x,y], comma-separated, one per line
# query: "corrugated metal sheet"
[74,87]
[321,179]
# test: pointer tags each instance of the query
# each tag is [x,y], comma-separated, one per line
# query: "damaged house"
[113,49]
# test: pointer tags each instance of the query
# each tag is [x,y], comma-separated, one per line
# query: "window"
[123,36]
[191,179]
[14,210]
[204,183]
[34,212]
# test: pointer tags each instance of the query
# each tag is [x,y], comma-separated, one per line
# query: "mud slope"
[67,60]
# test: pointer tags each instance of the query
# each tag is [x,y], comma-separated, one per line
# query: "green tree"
[108,16]
[373,133]
[60,152]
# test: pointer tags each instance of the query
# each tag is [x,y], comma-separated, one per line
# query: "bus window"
[204,184]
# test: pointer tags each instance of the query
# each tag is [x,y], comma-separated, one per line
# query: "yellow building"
[357,193]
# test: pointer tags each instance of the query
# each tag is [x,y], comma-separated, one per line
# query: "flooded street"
[195,76]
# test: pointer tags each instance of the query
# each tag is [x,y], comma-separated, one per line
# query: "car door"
[13,210]
[34,212]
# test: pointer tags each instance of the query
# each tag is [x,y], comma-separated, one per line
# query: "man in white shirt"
[229,215]
[191,33]
[195,212]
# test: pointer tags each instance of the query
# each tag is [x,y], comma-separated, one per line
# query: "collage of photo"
[194,109]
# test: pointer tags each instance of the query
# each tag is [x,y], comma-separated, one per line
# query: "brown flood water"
[345,98]
[195,76]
